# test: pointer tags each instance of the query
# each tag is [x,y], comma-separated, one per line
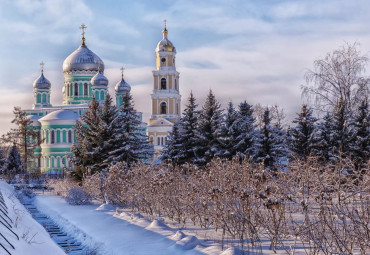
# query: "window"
[177,109]
[38,138]
[52,137]
[158,141]
[44,98]
[76,89]
[102,95]
[151,140]
[97,95]
[163,60]
[163,108]
[39,162]
[38,98]
[176,86]
[163,83]
[69,136]
[85,89]
[68,90]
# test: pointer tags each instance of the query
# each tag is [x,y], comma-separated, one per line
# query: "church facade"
[84,79]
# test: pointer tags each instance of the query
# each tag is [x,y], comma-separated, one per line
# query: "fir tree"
[132,144]
[24,136]
[302,135]
[270,147]
[228,133]
[323,141]
[340,130]
[3,159]
[210,121]
[244,131]
[360,139]
[174,151]
[14,164]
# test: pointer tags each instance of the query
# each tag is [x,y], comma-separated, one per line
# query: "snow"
[33,238]
[60,115]
[112,231]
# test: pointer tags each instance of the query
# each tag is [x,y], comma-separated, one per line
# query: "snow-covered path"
[112,234]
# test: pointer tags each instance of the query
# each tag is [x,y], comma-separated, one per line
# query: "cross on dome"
[83,27]
[99,65]
[122,69]
[42,66]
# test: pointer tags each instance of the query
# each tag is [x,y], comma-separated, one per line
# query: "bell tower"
[166,97]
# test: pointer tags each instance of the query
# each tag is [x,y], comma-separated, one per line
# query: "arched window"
[52,137]
[102,95]
[38,162]
[69,136]
[76,89]
[177,109]
[163,108]
[163,83]
[151,140]
[38,98]
[158,141]
[68,90]
[85,89]
[176,86]
[44,98]
[97,95]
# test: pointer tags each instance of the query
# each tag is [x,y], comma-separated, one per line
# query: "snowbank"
[33,238]
[119,233]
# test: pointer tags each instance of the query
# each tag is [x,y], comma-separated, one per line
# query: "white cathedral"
[84,79]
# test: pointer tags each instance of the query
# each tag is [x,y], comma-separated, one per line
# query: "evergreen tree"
[228,133]
[174,151]
[133,144]
[3,159]
[270,147]
[14,164]
[24,136]
[360,139]
[340,130]
[323,141]
[302,135]
[244,131]
[210,121]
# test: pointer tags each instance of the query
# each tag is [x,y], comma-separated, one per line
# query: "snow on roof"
[61,115]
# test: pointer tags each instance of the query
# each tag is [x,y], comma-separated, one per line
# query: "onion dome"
[99,79]
[165,44]
[41,82]
[82,59]
[122,85]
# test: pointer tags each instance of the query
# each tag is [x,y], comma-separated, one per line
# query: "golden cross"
[98,64]
[42,66]
[165,23]
[122,69]
[83,27]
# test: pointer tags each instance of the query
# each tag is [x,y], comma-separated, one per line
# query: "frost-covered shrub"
[92,185]
[78,196]
[61,187]
[27,192]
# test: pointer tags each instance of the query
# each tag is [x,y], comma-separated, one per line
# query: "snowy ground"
[33,238]
[108,232]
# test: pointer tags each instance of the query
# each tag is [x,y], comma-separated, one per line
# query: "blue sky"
[243,50]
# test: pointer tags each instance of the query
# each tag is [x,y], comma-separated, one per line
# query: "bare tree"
[339,75]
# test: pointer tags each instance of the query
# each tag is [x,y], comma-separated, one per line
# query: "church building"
[84,79]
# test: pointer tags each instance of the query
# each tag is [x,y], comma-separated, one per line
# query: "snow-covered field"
[107,231]
[33,238]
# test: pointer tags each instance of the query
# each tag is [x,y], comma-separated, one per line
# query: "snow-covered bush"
[78,196]
[61,187]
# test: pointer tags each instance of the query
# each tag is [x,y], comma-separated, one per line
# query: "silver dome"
[99,79]
[42,82]
[122,86]
[82,59]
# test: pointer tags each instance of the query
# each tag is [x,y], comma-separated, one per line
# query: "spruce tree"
[340,131]
[210,121]
[302,135]
[323,140]
[228,133]
[360,139]
[270,146]
[14,164]
[132,143]
[174,151]
[244,131]
[3,159]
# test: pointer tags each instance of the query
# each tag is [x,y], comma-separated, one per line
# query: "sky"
[256,51]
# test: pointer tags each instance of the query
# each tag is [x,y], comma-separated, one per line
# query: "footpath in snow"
[108,232]
[33,238]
